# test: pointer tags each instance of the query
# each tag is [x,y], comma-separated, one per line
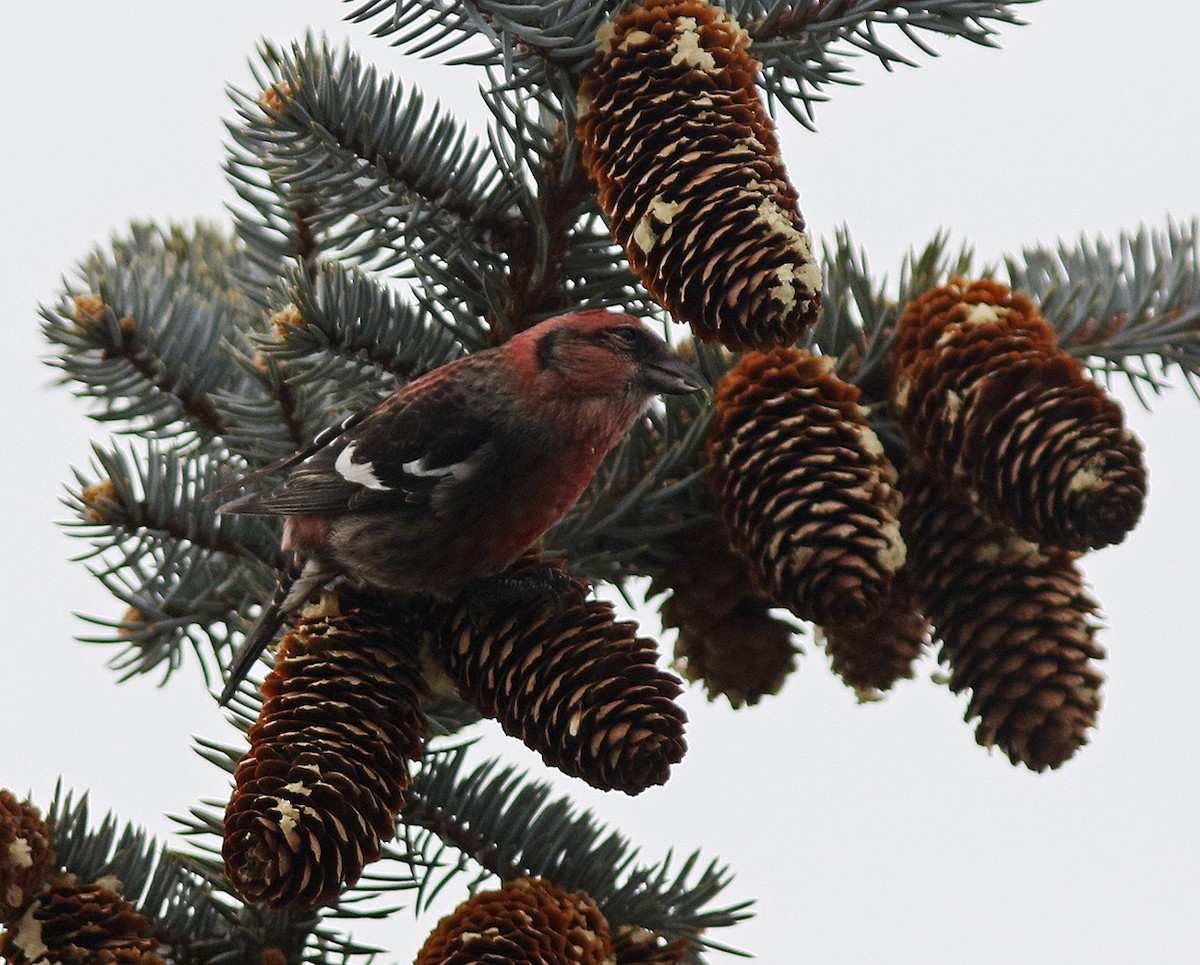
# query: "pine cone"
[690,174]
[1015,624]
[26,854]
[727,636]
[325,774]
[526,920]
[639,946]
[805,486]
[73,922]
[559,673]
[870,657]
[986,399]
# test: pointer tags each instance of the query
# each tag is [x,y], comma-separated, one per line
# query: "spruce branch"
[558,34]
[596,271]
[855,310]
[140,330]
[804,44]
[184,573]
[936,263]
[273,222]
[368,164]
[542,232]
[187,913]
[337,341]
[1129,307]
[858,315]
[165,495]
[508,825]
[279,417]
[342,328]
[425,28]
[558,246]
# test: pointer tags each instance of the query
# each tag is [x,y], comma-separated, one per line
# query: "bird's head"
[599,354]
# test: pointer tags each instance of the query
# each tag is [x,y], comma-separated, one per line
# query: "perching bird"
[453,476]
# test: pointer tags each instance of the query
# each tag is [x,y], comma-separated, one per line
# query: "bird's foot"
[485,595]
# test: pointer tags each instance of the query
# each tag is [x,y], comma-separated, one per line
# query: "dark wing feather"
[322,438]
[393,455]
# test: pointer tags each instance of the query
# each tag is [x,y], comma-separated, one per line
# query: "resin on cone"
[1016,624]
[640,946]
[26,854]
[805,486]
[690,176]
[319,789]
[987,401]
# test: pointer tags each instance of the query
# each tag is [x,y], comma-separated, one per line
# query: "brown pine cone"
[561,675]
[75,922]
[728,638]
[526,920]
[986,400]
[1015,622]
[319,788]
[870,657]
[639,946]
[26,854]
[805,486]
[690,174]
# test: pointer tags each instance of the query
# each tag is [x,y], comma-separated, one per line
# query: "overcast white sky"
[869,834]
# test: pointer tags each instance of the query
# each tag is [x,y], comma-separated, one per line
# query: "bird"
[449,479]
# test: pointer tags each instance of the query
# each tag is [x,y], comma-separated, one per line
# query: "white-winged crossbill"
[452,477]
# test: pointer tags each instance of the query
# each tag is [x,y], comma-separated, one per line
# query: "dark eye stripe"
[545,349]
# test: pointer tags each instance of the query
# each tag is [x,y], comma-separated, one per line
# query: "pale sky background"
[868,834]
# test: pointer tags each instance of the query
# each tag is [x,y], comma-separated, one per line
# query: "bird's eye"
[624,335]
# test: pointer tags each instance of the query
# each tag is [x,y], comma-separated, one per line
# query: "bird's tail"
[296,584]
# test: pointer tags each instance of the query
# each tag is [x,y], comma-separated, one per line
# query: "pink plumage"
[453,476]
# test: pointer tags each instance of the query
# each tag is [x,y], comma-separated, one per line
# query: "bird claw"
[484,595]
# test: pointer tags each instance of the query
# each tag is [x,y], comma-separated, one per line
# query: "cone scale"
[872,656]
[26,854]
[71,922]
[728,638]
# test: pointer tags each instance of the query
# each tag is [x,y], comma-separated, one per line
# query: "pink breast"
[305,534]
